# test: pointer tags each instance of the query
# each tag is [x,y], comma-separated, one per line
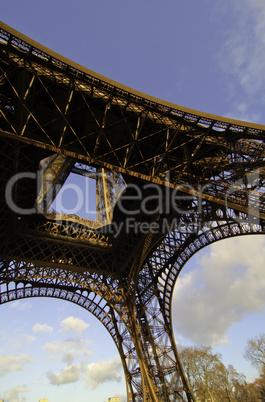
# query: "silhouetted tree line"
[212,381]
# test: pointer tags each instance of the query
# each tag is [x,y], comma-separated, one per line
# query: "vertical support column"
[163,377]
[106,196]
[148,387]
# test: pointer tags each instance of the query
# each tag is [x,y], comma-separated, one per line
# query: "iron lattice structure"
[58,118]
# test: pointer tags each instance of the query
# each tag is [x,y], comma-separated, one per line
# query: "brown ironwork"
[200,177]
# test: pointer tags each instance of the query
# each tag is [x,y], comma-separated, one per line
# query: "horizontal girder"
[56,113]
[50,103]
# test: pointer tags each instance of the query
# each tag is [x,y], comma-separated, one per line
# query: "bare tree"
[255,352]
[208,376]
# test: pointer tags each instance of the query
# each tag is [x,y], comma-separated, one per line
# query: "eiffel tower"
[168,181]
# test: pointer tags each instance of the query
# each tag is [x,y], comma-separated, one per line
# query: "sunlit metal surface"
[58,118]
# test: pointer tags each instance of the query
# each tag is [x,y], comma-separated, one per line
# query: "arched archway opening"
[219,299]
[54,349]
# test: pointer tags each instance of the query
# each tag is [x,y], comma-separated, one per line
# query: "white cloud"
[226,285]
[103,371]
[75,354]
[14,394]
[69,374]
[9,364]
[122,397]
[19,341]
[245,44]
[21,305]
[241,56]
[94,373]
[69,350]
[72,324]
[42,328]
[241,112]
[26,339]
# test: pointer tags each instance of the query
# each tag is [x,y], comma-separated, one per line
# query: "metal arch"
[92,308]
[178,258]
[139,372]
[155,291]
[173,146]
[166,260]
[135,351]
[77,292]
[158,289]
[71,287]
[51,105]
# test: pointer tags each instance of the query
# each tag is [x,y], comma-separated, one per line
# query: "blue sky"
[206,55]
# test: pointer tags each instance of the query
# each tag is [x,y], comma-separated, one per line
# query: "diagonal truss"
[58,118]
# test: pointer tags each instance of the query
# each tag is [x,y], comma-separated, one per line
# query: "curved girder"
[164,263]
[91,118]
[218,231]
[157,279]
[55,105]
[21,280]
[144,362]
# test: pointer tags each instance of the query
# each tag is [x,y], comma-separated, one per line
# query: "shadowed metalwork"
[169,181]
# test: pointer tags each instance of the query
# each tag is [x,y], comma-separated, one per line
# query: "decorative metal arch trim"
[209,236]
[107,317]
